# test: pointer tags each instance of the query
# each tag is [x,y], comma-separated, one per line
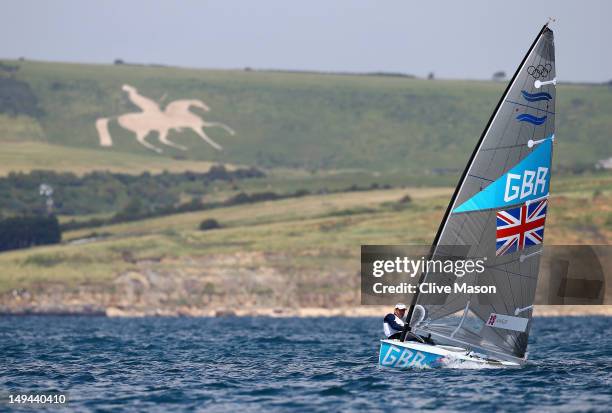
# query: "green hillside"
[287,253]
[302,121]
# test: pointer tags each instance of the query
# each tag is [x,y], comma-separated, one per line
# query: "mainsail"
[498,211]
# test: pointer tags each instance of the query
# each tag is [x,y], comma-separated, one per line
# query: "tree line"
[104,192]
[136,210]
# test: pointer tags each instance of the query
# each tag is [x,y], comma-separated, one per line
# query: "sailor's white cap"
[400,306]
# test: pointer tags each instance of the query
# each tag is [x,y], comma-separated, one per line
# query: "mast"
[453,201]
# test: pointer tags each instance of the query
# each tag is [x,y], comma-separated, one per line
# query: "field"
[378,156]
[301,251]
[312,122]
[26,156]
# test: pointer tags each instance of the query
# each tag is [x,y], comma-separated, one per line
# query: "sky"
[453,39]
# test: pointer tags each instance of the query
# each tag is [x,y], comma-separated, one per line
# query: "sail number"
[525,185]
[397,357]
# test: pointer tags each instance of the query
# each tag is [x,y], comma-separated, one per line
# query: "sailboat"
[497,211]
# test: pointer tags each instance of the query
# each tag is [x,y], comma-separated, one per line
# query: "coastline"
[279,312]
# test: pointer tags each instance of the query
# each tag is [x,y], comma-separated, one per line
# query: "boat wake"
[455,363]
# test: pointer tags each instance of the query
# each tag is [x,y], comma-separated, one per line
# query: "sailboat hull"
[409,354]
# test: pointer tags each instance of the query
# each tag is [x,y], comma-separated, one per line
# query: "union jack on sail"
[521,227]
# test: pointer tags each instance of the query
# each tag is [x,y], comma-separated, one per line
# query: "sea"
[285,364]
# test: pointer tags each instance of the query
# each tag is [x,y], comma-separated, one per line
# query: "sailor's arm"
[390,319]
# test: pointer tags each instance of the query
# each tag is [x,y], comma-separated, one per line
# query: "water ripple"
[261,364]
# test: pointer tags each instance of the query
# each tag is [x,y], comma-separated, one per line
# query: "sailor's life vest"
[392,324]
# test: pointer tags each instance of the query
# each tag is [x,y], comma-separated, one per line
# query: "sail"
[498,211]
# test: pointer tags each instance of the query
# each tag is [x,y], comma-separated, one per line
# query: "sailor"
[394,323]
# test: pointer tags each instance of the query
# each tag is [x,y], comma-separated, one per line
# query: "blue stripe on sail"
[535,97]
[534,120]
[506,190]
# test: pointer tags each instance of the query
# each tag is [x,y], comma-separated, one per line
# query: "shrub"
[209,224]
[301,192]
[406,199]
[24,232]
[17,98]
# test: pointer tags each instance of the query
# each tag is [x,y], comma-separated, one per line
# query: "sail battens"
[507,206]
[498,211]
[495,148]
[530,107]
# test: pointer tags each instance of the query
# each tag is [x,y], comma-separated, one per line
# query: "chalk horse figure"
[176,116]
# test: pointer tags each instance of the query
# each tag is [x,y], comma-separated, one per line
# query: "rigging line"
[522,257]
[530,107]
[508,272]
[437,309]
[501,335]
[496,311]
[465,312]
[509,283]
[481,177]
[448,303]
[491,214]
[502,134]
[511,294]
[457,296]
[521,310]
[531,298]
[497,332]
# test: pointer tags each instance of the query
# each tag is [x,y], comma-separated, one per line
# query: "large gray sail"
[498,211]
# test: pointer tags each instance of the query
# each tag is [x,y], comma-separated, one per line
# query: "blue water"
[262,364]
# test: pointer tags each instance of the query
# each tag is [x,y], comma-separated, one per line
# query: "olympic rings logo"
[539,71]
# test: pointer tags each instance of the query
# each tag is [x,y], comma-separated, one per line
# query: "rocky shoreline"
[240,284]
[357,311]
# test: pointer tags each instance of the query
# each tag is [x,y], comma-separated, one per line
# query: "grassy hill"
[293,252]
[325,135]
[283,120]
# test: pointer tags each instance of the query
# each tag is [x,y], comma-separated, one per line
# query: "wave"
[535,97]
[534,120]
[451,363]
